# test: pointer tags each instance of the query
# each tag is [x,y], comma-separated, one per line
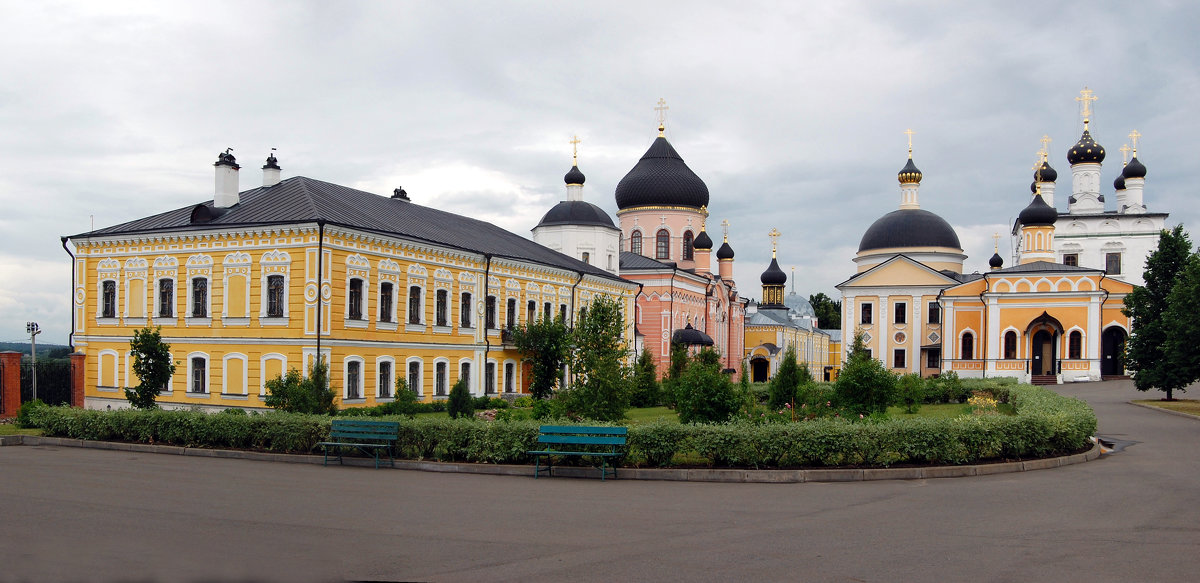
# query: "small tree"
[1146,306]
[601,386]
[679,363]
[704,394]
[864,386]
[152,365]
[460,403]
[911,392]
[545,343]
[646,389]
[785,387]
[294,393]
[1183,328]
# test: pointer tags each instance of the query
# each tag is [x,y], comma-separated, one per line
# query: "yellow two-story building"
[254,283]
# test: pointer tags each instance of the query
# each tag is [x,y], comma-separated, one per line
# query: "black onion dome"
[1086,150]
[1134,169]
[691,336]
[574,176]
[996,261]
[773,275]
[1119,183]
[725,252]
[1038,213]
[1033,187]
[909,228]
[272,163]
[576,212]
[1045,173]
[661,178]
[702,241]
[909,174]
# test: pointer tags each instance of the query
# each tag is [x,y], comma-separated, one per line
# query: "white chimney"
[271,170]
[227,180]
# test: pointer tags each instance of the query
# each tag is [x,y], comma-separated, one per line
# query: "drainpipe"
[987,286]
[1099,328]
[573,292]
[487,344]
[320,280]
[941,340]
[71,334]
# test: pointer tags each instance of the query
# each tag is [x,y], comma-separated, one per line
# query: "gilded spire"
[910,133]
[1046,147]
[774,235]
[725,228]
[575,150]
[1133,137]
[996,240]
[661,108]
[1086,97]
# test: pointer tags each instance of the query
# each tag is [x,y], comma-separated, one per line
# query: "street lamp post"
[33,329]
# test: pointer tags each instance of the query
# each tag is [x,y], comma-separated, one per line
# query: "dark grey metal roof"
[633,261]
[304,200]
[661,178]
[1044,266]
[909,228]
[577,212]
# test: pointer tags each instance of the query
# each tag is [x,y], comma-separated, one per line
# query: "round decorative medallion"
[899,337]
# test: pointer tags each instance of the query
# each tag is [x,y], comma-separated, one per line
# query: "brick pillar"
[10,384]
[78,360]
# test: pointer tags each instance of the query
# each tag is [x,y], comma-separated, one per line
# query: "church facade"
[254,283]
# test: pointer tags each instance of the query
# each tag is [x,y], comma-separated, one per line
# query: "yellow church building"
[254,283]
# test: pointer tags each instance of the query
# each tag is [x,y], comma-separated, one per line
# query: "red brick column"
[10,364]
[78,360]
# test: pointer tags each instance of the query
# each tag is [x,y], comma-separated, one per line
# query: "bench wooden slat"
[582,439]
[583,430]
[579,435]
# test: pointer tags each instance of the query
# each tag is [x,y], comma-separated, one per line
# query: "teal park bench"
[570,440]
[366,436]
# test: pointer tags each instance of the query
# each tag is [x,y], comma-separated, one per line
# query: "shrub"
[658,442]
[27,413]
[704,394]
[947,388]
[152,365]
[788,379]
[294,393]
[646,389]
[910,390]
[864,387]
[523,401]
[460,403]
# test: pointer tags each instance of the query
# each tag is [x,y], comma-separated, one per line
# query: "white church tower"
[579,228]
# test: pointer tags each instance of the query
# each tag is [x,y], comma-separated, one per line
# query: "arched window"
[968,346]
[1010,344]
[1075,345]
[687,245]
[635,242]
[662,245]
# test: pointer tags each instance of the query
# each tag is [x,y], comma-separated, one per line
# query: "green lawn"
[12,429]
[1189,406]
[648,414]
[944,411]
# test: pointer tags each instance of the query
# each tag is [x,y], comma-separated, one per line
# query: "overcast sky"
[793,113]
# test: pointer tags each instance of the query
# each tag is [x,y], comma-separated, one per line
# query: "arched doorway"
[760,370]
[1112,351]
[1042,353]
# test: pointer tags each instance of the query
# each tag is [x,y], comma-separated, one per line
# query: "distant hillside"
[44,350]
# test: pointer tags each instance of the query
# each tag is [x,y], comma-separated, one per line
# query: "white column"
[914,353]
[992,313]
[1094,332]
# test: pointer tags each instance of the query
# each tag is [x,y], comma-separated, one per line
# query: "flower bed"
[1045,424]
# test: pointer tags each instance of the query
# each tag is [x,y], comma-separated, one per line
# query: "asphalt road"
[73,514]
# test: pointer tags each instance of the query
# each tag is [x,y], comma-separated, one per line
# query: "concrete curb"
[1176,413]
[730,475]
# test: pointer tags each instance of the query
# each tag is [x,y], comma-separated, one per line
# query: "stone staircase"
[1043,379]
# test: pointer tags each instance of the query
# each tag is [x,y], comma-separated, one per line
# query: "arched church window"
[1075,345]
[1010,344]
[968,346]
[687,245]
[662,245]
[635,242]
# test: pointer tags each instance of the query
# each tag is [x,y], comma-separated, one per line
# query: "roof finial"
[1037,174]
[1133,137]
[1124,154]
[575,150]
[774,235]
[703,216]
[996,239]
[910,135]
[793,279]
[1046,147]
[661,108]
[725,228]
[1086,97]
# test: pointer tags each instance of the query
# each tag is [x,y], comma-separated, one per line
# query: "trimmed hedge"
[1045,424]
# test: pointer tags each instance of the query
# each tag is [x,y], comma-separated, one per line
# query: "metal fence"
[53,382]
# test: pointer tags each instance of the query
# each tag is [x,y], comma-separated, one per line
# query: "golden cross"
[1086,97]
[1125,154]
[910,133]
[1134,135]
[1045,147]
[661,108]
[725,228]
[575,148]
[703,216]
[774,235]
[1037,166]
[996,237]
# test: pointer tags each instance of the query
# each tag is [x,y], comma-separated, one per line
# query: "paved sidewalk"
[89,515]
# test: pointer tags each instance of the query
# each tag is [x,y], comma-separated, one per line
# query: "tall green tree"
[152,365]
[828,311]
[1183,327]
[601,379]
[545,344]
[705,394]
[785,387]
[1146,353]
[646,389]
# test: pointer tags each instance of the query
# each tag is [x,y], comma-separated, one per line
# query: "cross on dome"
[774,235]
[1133,137]
[725,228]
[1124,154]
[1086,97]
[910,133]
[575,149]
[661,108]
[1046,147]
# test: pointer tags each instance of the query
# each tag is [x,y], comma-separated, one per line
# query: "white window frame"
[445,387]
[225,375]
[262,370]
[379,362]
[362,372]
[419,388]
[187,391]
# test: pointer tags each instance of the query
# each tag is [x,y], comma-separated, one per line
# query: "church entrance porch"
[1042,353]
[760,370]
[1112,352]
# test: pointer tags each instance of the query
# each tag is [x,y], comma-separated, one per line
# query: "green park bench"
[581,441]
[368,437]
